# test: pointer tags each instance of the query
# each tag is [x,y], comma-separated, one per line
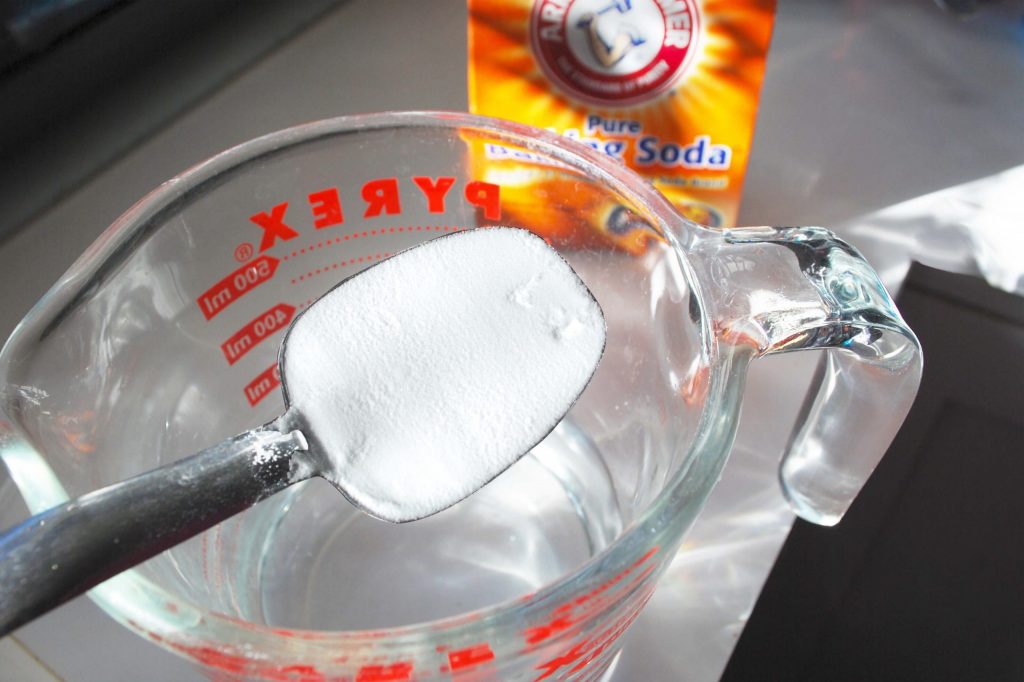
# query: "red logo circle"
[614,52]
[243,252]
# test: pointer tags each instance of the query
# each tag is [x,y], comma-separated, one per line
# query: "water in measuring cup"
[325,565]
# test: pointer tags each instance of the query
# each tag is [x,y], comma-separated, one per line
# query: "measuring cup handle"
[793,288]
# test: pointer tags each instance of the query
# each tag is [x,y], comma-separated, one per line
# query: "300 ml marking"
[263,385]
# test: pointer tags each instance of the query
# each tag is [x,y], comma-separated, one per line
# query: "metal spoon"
[60,553]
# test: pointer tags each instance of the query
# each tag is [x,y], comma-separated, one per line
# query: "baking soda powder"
[427,375]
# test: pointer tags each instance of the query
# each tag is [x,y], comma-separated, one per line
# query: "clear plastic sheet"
[974,228]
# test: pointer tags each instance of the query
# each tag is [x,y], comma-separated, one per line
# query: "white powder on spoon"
[427,375]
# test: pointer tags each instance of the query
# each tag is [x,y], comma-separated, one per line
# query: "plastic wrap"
[974,228]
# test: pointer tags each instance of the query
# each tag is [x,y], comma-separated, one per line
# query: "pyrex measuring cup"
[162,339]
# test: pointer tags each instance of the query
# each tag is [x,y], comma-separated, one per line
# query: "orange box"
[668,87]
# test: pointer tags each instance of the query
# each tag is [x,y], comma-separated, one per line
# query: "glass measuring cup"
[167,328]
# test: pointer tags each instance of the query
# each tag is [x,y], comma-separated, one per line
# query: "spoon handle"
[60,553]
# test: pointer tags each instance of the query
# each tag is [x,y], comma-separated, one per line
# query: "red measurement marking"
[469,657]
[335,266]
[265,324]
[364,234]
[575,612]
[258,389]
[294,673]
[237,284]
[224,661]
[396,672]
[566,616]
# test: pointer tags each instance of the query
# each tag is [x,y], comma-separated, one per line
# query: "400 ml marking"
[235,285]
[249,336]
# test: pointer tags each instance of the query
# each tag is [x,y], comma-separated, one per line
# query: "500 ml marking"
[265,324]
[237,284]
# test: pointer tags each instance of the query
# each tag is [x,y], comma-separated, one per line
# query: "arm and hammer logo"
[614,52]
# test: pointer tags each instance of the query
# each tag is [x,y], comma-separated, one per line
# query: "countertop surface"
[865,105]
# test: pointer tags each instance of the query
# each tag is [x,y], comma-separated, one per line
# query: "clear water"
[326,566]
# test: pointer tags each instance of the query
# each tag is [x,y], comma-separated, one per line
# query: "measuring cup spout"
[784,289]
